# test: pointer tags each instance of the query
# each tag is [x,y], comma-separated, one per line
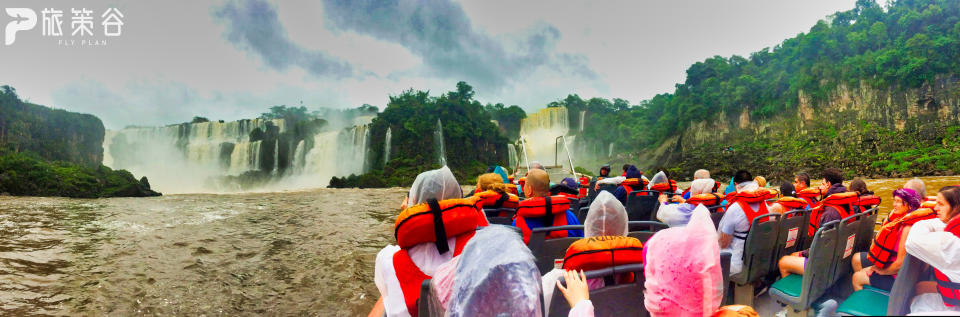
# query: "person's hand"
[678,199]
[404,204]
[868,270]
[662,198]
[576,289]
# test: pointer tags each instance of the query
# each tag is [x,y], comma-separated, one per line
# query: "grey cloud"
[254,25]
[440,32]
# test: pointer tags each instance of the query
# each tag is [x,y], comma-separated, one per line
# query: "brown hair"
[858,185]
[491,181]
[952,195]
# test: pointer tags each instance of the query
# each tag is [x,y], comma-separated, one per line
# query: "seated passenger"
[878,266]
[699,174]
[663,184]
[682,269]
[761,181]
[859,186]
[627,187]
[543,210]
[567,188]
[823,214]
[917,185]
[604,173]
[678,214]
[606,217]
[401,268]
[937,242]
[735,224]
[494,194]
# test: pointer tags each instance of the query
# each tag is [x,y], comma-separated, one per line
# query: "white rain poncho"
[682,269]
[439,184]
[496,276]
[702,186]
[660,177]
[606,217]
[678,215]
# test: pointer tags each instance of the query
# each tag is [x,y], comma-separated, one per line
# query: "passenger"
[761,181]
[917,185]
[485,182]
[538,188]
[678,215]
[893,234]
[399,267]
[801,181]
[494,194]
[788,200]
[622,190]
[859,186]
[735,224]
[699,174]
[604,172]
[663,184]
[566,188]
[607,217]
[832,184]
[937,242]
[625,168]
[577,294]
[536,166]
[682,269]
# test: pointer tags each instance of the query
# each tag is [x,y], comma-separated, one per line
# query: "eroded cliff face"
[54,134]
[862,120]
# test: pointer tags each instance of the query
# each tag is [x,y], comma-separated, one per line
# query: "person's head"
[605,170]
[701,174]
[538,183]
[491,181]
[742,176]
[536,166]
[632,172]
[570,183]
[832,176]
[702,186]
[948,203]
[606,217]
[625,167]
[801,181]
[762,182]
[905,200]
[439,184]
[917,185]
[787,190]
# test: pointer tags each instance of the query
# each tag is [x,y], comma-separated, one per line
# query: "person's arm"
[377,310]
[929,243]
[894,267]
[726,227]
[725,240]
[576,290]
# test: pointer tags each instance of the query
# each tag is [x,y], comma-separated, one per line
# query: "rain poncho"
[496,276]
[439,183]
[678,215]
[682,269]
[499,170]
[606,217]
[658,178]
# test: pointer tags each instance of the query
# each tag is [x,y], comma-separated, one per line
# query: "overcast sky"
[233,59]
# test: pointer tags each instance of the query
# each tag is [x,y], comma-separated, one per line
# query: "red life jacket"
[552,209]
[882,251]
[744,199]
[811,195]
[433,221]
[603,252]
[670,185]
[949,290]
[710,199]
[631,184]
[493,200]
[584,184]
[792,203]
[840,201]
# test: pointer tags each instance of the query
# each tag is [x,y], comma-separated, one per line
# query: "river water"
[283,253]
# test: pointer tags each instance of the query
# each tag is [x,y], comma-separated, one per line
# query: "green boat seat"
[866,302]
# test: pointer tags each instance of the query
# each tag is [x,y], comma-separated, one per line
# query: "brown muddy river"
[285,253]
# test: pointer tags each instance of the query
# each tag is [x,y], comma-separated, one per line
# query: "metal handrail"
[556,153]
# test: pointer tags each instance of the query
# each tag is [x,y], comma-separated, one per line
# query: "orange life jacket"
[882,251]
[603,252]
[792,203]
[710,199]
[949,290]
[631,184]
[669,186]
[841,201]
[511,188]
[433,221]
[744,199]
[492,199]
[584,185]
[552,209]
[867,201]
[928,204]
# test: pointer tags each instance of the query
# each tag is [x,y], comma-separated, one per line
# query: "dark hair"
[952,195]
[625,167]
[605,168]
[742,176]
[858,185]
[787,189]
[833,176]
[804,177]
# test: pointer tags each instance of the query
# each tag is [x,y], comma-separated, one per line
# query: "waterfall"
[512,155]
[540,131]
[386,146]
[438,139]
[208,156]
[583,115]
[610,151]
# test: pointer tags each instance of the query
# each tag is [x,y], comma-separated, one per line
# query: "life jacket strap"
[547,212]
[503,198]
[438,229]
[742,235]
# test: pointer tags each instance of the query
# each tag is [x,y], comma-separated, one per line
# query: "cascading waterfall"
[438,139]
[512,153]
[386,146]
[583,115]
[540,131]
[610,151]
[217,156]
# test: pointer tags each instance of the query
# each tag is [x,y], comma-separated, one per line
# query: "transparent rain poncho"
[439,184]
[682,269]
[702,186]
[496,276]
[660,177]
[606,217]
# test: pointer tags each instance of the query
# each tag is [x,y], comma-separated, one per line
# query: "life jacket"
[522,182]
[716,186]
[811,195]
[603,252]
[928,204]
[551,209]
[932,198]
[631,184]
[882,251]
[433,221]
[511,188]
[949,290]
[866,202]
[843,202]
[669,186]
[584,185]
[492,200]
[744,199]
[730,198]
[792,203]
[710,199]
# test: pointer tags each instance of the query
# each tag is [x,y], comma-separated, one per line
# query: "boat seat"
[869,301]
[611,300]
[642,205]
[759,250]
[546,251]
[801,291]
[848,231]
[793,229]
[493,215]
[865,237]
[582,214]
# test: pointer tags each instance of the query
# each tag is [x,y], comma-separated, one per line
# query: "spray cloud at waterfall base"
[244,155]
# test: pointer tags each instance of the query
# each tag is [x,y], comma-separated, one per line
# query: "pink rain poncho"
[682,269]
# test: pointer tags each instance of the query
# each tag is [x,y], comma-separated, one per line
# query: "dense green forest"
[53,152]
[472,142]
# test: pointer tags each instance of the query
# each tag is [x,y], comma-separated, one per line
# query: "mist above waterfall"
[246,155]
[540,131]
